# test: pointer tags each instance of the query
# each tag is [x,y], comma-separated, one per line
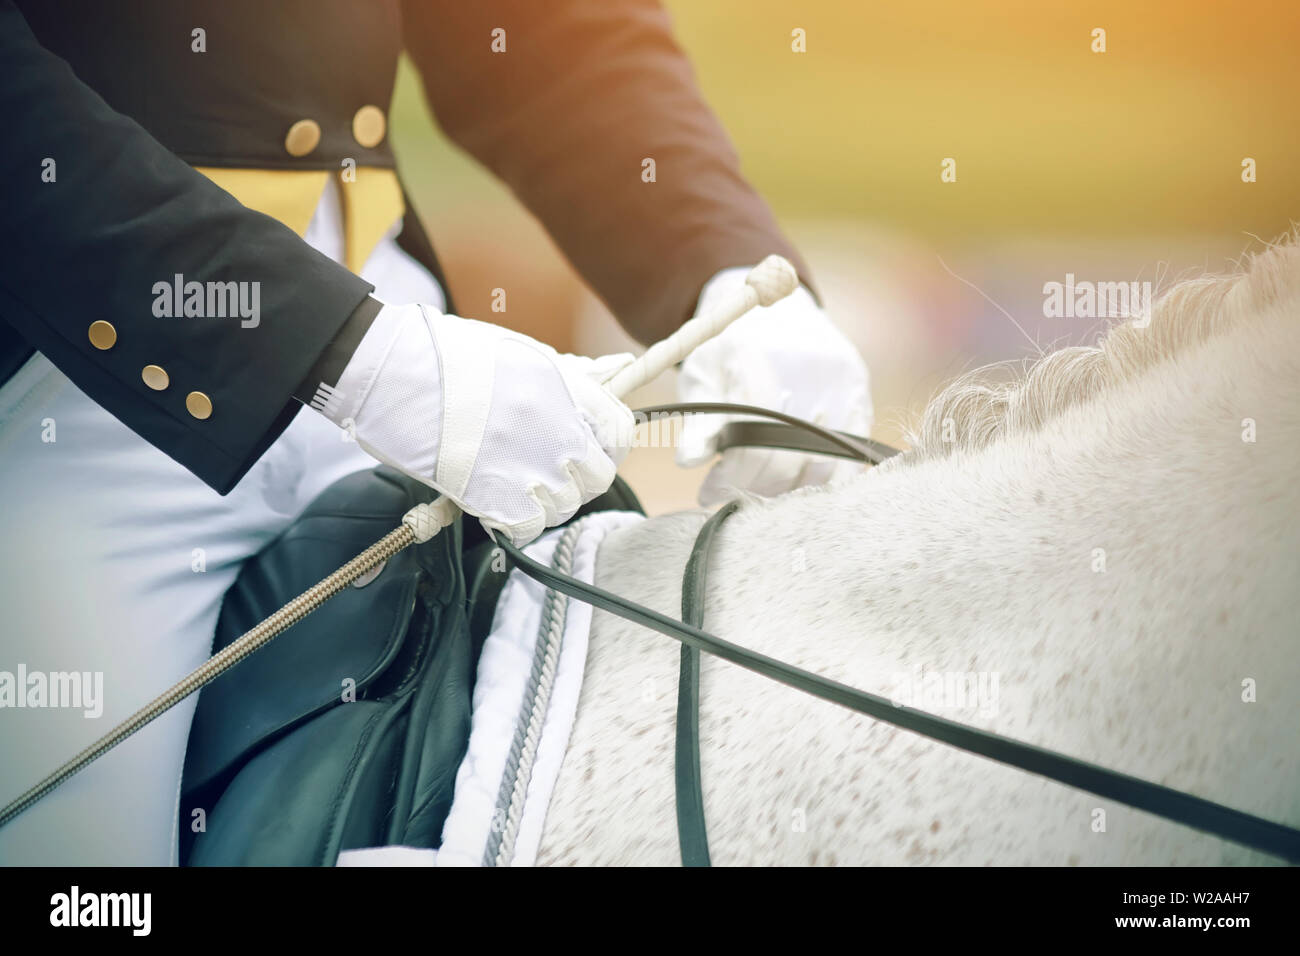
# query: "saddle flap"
[319,789]
[323,659]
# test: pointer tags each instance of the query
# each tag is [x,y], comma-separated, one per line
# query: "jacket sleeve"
[96,217]
[584,92]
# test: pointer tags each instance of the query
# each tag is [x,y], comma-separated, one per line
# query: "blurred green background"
[1115,166]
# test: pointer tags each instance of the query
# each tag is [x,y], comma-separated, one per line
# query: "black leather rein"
[1222,821]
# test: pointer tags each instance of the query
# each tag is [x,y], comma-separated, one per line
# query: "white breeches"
[114,561]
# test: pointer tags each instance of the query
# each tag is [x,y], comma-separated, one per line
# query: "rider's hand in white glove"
[788,356]
[511,430]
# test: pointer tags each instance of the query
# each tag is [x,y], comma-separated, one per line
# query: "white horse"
[1102,558]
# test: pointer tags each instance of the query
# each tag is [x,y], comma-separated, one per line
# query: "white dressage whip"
[770,281]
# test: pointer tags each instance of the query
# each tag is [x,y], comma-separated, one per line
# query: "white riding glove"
[511,430]
[789,357]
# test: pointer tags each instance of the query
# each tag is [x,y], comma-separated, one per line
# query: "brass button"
[198,405]
[302,138]
[102,335]
[155,377]
[368,126]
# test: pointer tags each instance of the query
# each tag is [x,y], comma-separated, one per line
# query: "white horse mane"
[972,411]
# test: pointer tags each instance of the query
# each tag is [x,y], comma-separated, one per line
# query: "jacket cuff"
[315,388]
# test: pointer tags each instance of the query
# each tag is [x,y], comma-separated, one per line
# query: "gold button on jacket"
[302,138]
[155,377]
[368,126]
[198,405]
[102,335]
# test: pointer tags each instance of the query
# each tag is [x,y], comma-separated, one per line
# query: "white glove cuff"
[390,392]
[358,376]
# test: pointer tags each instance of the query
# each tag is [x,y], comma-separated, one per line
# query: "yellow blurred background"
[1113,166]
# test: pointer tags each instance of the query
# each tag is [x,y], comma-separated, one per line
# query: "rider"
[204,231]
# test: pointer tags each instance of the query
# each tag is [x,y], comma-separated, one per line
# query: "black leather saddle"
[347,730]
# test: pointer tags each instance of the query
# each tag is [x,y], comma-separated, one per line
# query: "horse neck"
[1150,505]
[1133,545]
